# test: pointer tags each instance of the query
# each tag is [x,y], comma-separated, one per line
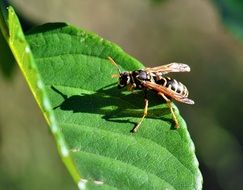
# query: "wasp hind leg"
[168,101]
[145,112]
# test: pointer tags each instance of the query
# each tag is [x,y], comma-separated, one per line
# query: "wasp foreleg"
[168,101]
[145,112]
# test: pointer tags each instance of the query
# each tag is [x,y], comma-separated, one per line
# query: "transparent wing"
[172,67]
[168,92]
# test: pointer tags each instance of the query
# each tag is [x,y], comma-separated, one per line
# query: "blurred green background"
[206,34]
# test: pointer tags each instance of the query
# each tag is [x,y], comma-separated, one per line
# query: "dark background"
[202,33]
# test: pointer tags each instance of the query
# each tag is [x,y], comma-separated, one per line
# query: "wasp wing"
[172,67]
[161,89]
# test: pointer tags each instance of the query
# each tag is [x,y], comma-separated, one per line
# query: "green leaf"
[231,13]
[70,77]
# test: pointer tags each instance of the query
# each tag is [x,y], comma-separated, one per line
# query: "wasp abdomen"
[173,85]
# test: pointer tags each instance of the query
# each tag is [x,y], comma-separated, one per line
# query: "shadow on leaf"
[114,105]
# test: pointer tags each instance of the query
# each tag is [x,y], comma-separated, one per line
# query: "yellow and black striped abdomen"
[173,85]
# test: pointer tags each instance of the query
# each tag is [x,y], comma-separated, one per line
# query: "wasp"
[154,79]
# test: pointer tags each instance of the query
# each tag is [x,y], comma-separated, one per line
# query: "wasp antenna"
[115,76]
[114,63]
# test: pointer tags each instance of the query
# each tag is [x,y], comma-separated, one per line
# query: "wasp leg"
[171,110]
[130,87]
[145,112]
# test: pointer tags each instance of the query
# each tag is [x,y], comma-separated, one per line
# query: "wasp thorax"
[124,79]
[142,75]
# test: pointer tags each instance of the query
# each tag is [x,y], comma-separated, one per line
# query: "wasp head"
[124,79]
